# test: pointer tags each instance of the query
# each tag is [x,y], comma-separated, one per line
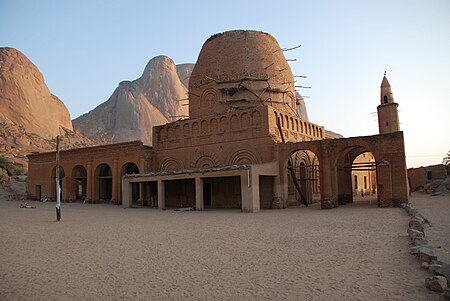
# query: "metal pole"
[58,190]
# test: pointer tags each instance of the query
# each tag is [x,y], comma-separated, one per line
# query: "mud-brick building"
[243,146]
[420,176]
[90,174]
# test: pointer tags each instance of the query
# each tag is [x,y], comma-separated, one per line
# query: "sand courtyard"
[354,252]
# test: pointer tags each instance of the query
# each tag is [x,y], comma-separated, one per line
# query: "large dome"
[240,69]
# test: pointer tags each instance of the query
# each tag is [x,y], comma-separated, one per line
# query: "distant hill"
[136,106]
[25,99]
[30,115]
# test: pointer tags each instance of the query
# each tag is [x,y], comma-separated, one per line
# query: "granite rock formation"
[30,116]
[25,99]
[136,106]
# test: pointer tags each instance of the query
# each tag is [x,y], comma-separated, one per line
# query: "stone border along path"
[440,280]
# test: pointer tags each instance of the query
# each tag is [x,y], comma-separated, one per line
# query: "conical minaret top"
[388,110]
[386,91]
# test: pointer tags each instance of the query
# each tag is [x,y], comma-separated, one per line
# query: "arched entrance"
[303,167]
[357,176]
[103,181]
[79,182]
[131,168]
[364,176]
[53,182]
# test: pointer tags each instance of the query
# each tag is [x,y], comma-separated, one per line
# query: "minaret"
[388,110]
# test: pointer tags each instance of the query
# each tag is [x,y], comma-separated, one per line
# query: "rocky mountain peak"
[25,99]
[136,106]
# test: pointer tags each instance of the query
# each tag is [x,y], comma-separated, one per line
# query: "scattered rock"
[444,271]
[416,224]
[426,253]
[415,234]
[435,264]
[420,242]
[425,265]
[327,204]
[447,294]
[436,283]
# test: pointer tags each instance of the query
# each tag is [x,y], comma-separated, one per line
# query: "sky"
[85,48]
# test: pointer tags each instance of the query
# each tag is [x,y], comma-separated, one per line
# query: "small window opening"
[385,99]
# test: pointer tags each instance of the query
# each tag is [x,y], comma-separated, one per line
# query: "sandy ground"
[105,252]
[437,210]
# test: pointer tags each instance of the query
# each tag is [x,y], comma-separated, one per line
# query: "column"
[326,181]
[384,184]
[89,182]
[161,195]
[198,193]
[250,191]
[126,193]
[116,181]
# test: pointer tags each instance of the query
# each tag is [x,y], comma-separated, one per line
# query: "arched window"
[385,99]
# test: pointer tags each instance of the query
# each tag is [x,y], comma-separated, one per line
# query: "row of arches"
[350,172]
[188,128]
[300,126]
[206,160]
[79,185]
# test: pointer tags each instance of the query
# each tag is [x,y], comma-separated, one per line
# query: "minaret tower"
[388,109]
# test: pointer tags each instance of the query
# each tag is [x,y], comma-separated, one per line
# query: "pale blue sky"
[85,48]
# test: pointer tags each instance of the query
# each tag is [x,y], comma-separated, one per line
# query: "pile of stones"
[439,280]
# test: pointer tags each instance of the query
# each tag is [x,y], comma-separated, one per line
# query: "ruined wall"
[418,177]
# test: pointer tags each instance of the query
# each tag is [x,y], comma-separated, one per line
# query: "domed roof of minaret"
[240,68]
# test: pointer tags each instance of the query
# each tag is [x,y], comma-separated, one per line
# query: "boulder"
[436,283]
[327,204]
[444,271]
[447,294]
[420,241]
[416,224]
[415,234]
[425,253]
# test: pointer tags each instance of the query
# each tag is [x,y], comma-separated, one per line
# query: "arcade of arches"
[90,174]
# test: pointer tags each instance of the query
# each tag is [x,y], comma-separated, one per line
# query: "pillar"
[161,195]
[126,193]
[328,201]
[384,184]
[116,181]
[199,193]
[89,182]
[250,191]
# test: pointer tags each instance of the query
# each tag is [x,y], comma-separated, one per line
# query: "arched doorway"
[53,182]
[131,168]
[304,170]
[79,182]
[103,181]
[364,176]
[357,176]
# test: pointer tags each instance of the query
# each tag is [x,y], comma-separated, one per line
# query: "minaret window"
[385,99]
